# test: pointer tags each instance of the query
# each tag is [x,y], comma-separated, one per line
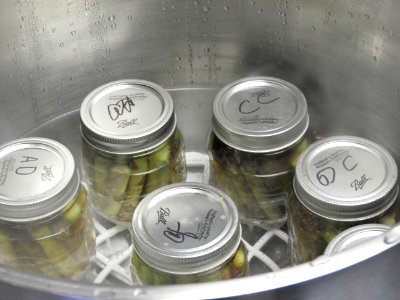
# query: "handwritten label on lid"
[185,221]
[346,171]
[127,110]
[260,108]
[29,172]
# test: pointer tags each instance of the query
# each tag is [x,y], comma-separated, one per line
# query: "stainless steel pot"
[342,54]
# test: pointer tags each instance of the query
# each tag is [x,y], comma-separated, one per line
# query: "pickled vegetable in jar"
[131,146]
[187,233]
[340,182]
[260,126]
[45,221]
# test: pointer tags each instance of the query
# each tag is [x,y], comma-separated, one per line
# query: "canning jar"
[340,182]
[187,233]
[45,222]
[354,236]
[131,145]
[260,126]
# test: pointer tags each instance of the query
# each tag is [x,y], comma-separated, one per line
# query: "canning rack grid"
[266,250]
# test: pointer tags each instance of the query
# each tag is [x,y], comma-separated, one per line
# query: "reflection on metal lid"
[127,116]
[37,177]
[260,114]
[346,178]
[185,228]
[354,236]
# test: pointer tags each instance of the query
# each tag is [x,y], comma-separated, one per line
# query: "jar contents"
[131,146]
[46,226]
[340,182]
[118,182]
[260,183]
[187,233]
[235,267]
[259,129]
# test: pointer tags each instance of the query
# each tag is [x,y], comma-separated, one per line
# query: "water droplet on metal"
[111,18]
[73,32]
[206,8]
[226,8]
[61,44]
[260,11]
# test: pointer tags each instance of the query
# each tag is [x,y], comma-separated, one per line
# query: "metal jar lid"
[186,228]
[260,114]
[354,236]
[127,116]
[37,178]
[346,178]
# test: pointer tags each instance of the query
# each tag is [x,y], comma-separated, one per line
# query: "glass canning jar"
[340,182]
[187,233]
[131,145]
[260,126]
[45,221]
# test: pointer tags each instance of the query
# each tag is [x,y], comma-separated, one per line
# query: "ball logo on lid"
[353,170]
[28,172]
[346,169]
[174,235]
[127,110]
[182,223]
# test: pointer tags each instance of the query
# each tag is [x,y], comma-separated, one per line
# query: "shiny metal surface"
[198,209]
[260,114]
[354,236]
[144,104]
[38,178]
[329,170]
[341,54]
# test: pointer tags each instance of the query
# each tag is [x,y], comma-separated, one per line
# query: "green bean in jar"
[340,182]
[260,126]
[131,146]
[46,226]
[187,233]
